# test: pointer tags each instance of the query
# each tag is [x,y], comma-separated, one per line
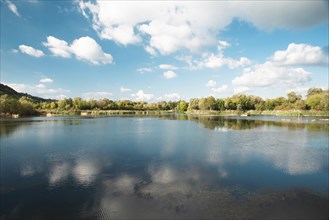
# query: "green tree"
[211,103]
[53,105]
[270,104]
[220,104]
[230,104]
[8,105]
[293,97]
[314,101]
[65,104]
[182,107]
[194,104]
[325,101]
[314,91]
[208,103]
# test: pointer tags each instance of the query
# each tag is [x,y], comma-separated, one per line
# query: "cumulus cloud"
[44,90]
[211,83]
[300,54]
[166,27]
[12,8]
[84,48]
[87,49]
[215,60]
[241,89]
[96,95]
[169,74]
[144,70]
[39,89]
[30,51]
[270,75]
[283,69]
[123,89]
[284,14]
[141,96]
[59,48]
[46,80]
[169,97]
[167,67]
[211,60]
[220,89]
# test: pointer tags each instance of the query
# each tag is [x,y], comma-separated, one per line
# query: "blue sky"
[156,50]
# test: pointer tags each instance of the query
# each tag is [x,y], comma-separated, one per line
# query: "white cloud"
[150,50]
[167,67]
[57,47]
[40,86]
[144,70]
[211,83]
[282,69]
[96,95]
[219,60]
[223,44]
[12,8]
[168,26]
[30,51]
[215,60]
[44,90]
[270,75]
[169,74]
[39,89]
[141,96]
[84,48]
[241,89]
[221,89]
[87,49]
[300,54]
[284,14]
[172,96]
[169,97]
[123,89]
[46,80]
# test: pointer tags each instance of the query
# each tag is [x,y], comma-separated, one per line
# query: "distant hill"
[6,90]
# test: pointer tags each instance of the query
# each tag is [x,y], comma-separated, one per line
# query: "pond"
[168,167]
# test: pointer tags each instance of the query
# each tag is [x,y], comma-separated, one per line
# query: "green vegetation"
[6,90]
[11,106]
[316,103]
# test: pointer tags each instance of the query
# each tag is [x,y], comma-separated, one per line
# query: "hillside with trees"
[13,102]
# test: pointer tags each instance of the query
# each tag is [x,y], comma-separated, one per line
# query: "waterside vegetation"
[13,104]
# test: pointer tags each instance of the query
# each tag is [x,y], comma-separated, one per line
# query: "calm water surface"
[170,167]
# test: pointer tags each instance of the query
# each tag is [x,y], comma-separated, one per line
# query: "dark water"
[171,167]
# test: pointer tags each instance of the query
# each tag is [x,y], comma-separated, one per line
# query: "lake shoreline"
[278,113]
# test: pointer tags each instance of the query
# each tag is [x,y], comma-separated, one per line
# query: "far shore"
[86,113]
[296,113]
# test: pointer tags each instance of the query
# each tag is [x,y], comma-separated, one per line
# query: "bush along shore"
[316,103]
[296,113]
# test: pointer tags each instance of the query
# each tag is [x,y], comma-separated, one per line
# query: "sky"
[164,50]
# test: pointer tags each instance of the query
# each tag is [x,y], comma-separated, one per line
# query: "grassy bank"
[254,112]
[103,112]
[279,113]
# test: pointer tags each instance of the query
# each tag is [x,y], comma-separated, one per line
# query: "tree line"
[316,99]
